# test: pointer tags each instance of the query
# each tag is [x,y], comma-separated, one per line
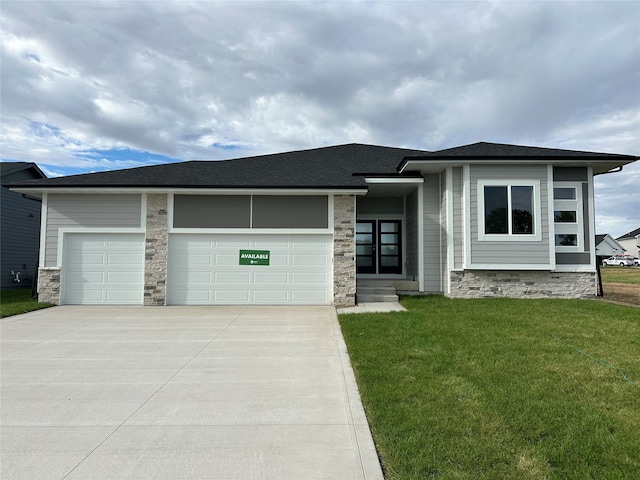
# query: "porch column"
[344,258]
[155,267]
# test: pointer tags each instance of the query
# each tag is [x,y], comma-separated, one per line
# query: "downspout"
[600,292]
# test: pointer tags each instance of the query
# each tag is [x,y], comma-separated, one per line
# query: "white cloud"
[222,79]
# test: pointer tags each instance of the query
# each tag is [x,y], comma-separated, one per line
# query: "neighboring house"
[309,227]
[631,242]
[606,246]
[20,226]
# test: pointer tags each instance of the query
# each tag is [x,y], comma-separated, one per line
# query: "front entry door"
[378,246]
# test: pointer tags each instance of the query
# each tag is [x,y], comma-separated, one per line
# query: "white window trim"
[510,237]
[577,227]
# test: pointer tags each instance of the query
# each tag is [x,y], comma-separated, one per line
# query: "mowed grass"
[620,274]
[501,388]
[18,300]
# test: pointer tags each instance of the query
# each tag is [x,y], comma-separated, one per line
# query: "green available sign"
[254,257]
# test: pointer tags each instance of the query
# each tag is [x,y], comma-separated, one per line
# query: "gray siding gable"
[88,211]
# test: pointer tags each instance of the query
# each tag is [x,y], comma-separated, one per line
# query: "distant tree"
[522,221]
[497,221]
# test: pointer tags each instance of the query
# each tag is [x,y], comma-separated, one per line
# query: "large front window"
[508,210]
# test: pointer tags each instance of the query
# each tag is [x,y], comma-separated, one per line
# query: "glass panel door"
[378,246]
[389,255]
[366,246]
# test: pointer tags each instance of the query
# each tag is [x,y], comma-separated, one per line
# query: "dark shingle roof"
[10,167]
[341,166]
[485,150]
[631,234]
[328,167]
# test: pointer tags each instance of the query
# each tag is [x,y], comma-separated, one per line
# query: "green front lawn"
[501,388]
[18,300]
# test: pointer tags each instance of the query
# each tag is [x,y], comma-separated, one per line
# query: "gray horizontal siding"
[500,252]
[84,210]
[20,227]
[431,219]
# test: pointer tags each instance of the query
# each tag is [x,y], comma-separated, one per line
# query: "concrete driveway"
[180,393]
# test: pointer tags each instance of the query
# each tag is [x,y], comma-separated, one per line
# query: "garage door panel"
[121,295]
[231,296]
[296,262]
[226,258]
[270,278]
[192,297]
[124,278]
[267,242]
[305,296]
[300,278]
[103,268]
[87,259]
[309,242]
[282,260]
[308,259]
[233,241]
[241,278]
[275,297]
[195,259]
[85,296]
[87,276]
[123,259]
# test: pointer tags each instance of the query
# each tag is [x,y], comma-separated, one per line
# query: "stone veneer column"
[344,260]
[155,268]
[49,285]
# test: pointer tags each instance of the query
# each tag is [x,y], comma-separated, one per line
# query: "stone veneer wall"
[49,285]
[155,268]
[344,259]
[522,284]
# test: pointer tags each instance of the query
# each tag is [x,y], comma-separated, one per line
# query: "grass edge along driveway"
[501,388]
[14,301]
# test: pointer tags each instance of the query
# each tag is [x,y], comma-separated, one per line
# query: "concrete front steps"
[377,290]
[376,294]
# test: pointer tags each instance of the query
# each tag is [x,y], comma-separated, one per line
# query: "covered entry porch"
[396,223]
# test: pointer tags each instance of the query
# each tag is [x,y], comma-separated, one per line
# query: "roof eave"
[600,165]
[196,190]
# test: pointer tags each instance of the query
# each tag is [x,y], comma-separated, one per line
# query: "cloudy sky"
[91,86]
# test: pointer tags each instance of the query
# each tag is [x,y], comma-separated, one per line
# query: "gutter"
[615,170]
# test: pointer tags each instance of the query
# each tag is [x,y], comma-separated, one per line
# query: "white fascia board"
[197,191]
[417,165]
[392,180]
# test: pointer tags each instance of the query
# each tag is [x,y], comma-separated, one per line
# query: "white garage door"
[205,269]
[101,268]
